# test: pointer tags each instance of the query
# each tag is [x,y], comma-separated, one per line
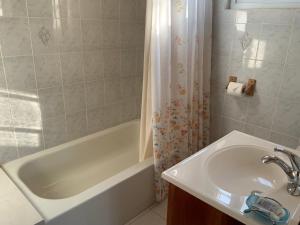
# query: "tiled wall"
[68,68]
[271,56]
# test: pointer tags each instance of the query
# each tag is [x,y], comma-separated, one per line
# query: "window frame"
[279,4]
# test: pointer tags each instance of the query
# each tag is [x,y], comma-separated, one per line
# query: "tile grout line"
[62,85]
[10,104]
[241,122]
[277,99]
[83,70]
[255,77]
[35,75]
[228,69]
[138,216]
[150,210]
[156,213]
[120,57]
[244,121]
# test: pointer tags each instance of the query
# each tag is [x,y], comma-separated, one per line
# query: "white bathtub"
[95,180]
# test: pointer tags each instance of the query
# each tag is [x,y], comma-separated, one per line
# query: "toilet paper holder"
[248,88]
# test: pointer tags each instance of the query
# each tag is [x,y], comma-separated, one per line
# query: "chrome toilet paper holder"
[248,88]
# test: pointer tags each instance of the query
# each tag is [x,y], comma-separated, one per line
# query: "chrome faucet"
[293,172]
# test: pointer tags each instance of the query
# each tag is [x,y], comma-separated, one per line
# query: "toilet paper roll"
[235,89]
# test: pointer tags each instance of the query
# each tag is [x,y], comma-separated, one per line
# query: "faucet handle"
[295,160]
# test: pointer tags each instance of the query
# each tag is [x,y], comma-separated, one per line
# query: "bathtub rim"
[51,208]
[19,163]
[25,162]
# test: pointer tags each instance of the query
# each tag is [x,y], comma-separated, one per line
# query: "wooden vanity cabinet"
[185,209]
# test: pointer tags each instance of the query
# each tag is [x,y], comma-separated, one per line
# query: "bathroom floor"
[155,215]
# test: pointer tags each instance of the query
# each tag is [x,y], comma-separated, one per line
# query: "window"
[248,4]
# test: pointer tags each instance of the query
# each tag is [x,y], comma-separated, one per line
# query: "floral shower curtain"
[176,83]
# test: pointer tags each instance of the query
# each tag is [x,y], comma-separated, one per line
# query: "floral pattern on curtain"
[180,70]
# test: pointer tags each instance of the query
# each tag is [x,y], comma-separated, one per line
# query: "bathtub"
[95,180]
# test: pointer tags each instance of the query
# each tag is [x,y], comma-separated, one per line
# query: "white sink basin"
[224,173]
[239,170]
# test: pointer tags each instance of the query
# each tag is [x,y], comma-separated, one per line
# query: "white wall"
[273,59]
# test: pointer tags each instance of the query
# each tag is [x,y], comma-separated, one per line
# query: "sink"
[239,170]
[224,173]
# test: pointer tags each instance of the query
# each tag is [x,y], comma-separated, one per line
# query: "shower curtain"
[176,86]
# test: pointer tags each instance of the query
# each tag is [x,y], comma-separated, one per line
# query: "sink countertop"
[191,176]
[15,209]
